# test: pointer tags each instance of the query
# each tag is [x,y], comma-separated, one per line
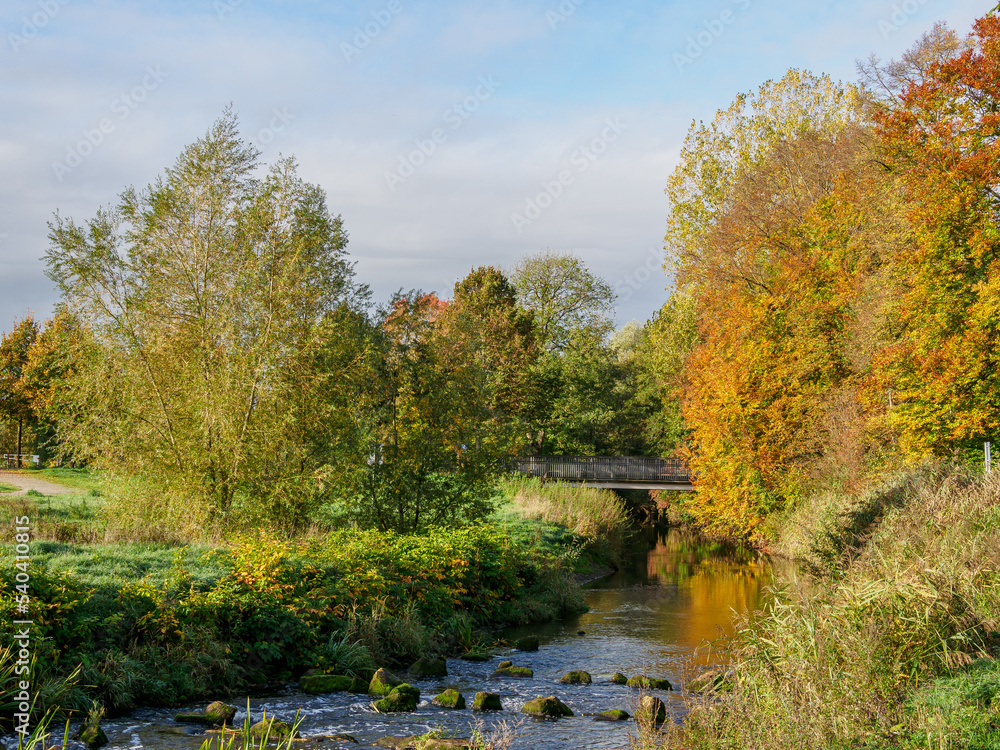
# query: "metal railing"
[604,468]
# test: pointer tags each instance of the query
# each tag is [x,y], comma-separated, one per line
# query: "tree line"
[215,356]
[836,249]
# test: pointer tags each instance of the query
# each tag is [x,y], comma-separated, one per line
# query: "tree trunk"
[20,424]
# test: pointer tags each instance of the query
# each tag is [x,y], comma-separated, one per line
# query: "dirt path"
[27,482]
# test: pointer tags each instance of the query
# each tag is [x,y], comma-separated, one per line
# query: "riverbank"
[897,646]
[219,621]
[168,624]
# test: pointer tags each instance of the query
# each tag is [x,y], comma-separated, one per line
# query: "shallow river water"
[676,594]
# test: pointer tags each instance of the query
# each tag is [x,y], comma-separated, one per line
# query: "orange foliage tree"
[944,371]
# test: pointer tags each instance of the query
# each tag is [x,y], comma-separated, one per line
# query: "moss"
[273,728]
[613,715]
[486,702]
[402,698]
[382,682]
[649,683]
[318,684]
[514,672]
[576,677]
[450,699]
[550,707]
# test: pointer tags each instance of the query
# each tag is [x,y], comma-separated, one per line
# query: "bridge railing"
[604,468]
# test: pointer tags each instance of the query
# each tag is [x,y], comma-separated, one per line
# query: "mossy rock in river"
[475,656]
[576,677]
[487,702]
[358,685]
[613,715]
[649,683]
[402,698]
[505,664]
[92,736]
[619,679]
[514,672]
[425,667]
[273,728]
[450,698]
[651,710]
[215,714]
[550,708]
[318,684]
[382,682]
[529,643]
[712,681]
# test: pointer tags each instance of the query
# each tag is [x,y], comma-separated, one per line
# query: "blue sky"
[433,127]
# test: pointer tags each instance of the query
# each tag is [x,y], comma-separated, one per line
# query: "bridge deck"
[615,472]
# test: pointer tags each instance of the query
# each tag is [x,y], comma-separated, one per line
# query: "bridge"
[624,473]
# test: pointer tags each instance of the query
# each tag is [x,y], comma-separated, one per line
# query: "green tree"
[16,400]
[564,295]
[593,399]
[500,336]
[425,444]
[204,294]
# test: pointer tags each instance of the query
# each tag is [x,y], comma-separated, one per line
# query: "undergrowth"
[213,622]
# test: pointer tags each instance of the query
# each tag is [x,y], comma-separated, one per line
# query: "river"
[676,594]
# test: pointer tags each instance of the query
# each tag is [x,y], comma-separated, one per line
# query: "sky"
[448,135]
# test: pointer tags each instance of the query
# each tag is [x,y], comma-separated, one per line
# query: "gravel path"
[27,482]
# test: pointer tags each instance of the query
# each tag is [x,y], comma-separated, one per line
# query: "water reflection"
[681,595]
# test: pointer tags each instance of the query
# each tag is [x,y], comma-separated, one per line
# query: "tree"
[499,334]
[564,295]
[425,440]
[205,294]
[941,137]
[16,400]
[57,353]
[718,157]
[776,230]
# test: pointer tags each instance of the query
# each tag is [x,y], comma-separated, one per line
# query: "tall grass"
[886,654]
[595,515]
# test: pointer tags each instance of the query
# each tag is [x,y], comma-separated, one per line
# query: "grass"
[80,479]
[75,518]
[897,647]
[6,488]
[564,513]
[109,565]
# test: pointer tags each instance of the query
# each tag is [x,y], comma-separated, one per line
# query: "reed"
[896,648]
[597,516]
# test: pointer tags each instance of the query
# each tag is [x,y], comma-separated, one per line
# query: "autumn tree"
[16,398]
[767,236]
[941,137]
[499,334]
[425,444]
[203,293]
